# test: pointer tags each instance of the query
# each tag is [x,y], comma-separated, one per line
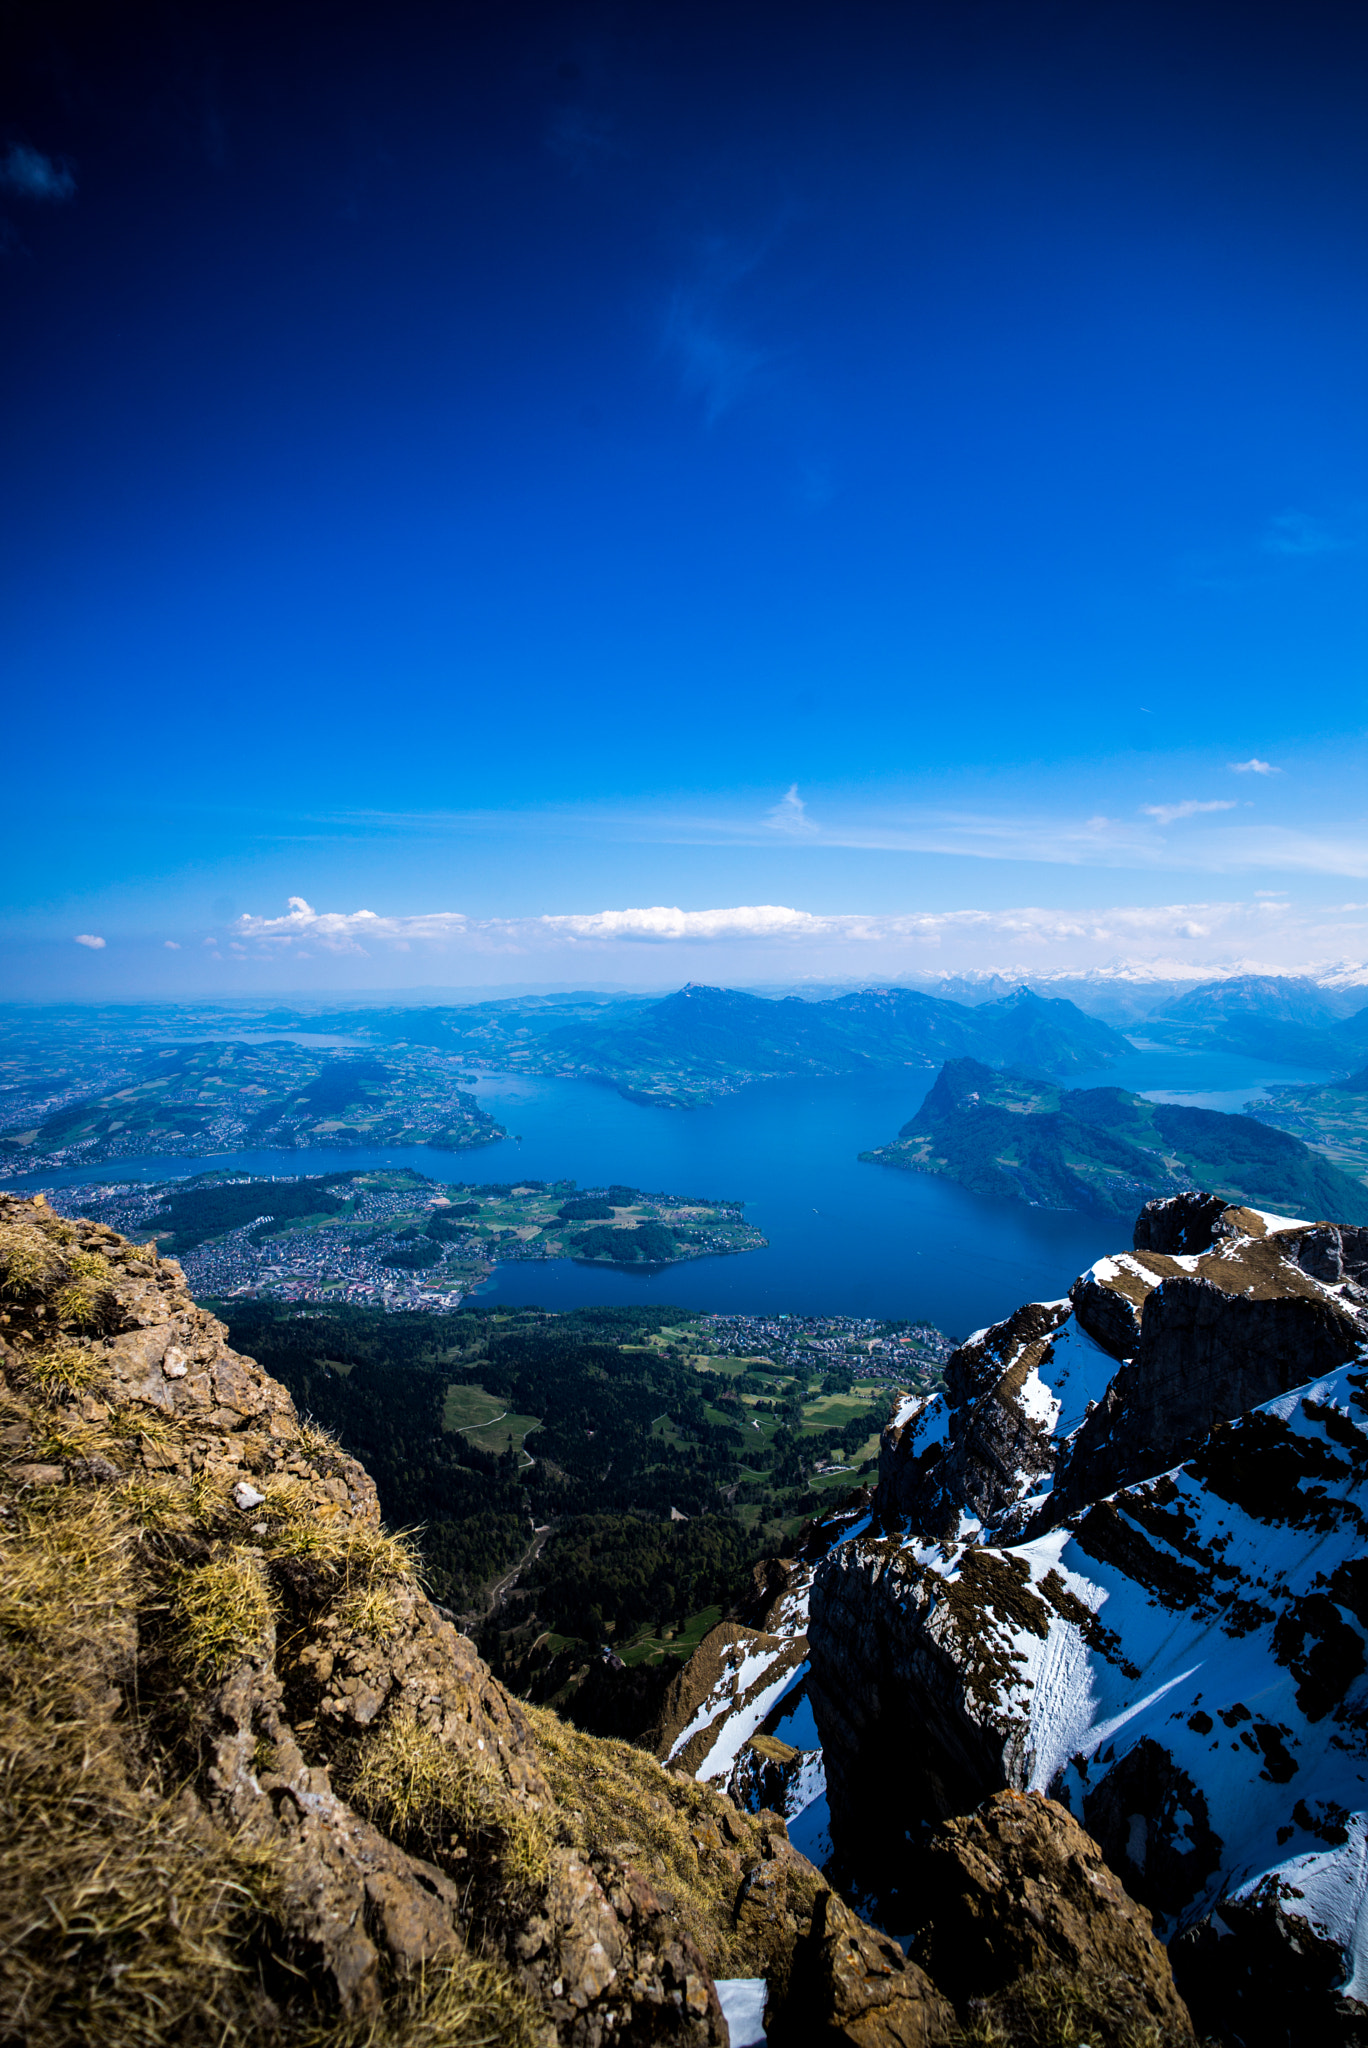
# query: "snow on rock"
[989,1444]
[1180,1655]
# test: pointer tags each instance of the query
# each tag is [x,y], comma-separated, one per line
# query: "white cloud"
[342,931]
[1253,766]
[171,945]
[91,939]
[790,814]
[1168,814]
[746,921]
[870,942]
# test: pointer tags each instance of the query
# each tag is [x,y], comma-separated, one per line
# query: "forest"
[602,1424]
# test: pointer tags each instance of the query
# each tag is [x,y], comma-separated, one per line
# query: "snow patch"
[743,2008]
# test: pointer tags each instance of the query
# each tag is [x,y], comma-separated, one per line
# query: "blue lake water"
[845,1238]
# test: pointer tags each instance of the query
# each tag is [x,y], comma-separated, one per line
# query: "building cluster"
[868,1347]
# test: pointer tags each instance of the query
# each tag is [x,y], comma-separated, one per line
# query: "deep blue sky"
[480,459]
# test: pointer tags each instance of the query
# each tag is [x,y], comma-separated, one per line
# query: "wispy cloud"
[1002,833]
[1253,766]
[790,815]
[1304,534]
[91,939]
[716,366]
[29,174]
[1169,814]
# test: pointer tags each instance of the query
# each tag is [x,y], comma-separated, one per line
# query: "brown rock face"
[1023,1915]
[1243,1328]
[1179,1223]
[993,1445]
[859,1989]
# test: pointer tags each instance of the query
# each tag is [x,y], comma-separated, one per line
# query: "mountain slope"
[1333,1118]
[1182,1661]
[1268,1017]
[1105,1150]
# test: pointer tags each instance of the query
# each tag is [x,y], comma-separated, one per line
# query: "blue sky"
[898,467]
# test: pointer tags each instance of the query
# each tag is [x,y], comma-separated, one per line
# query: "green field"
[648,1646]
[485,1419]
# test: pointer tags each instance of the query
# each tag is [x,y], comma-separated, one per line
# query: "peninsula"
[1011,1135]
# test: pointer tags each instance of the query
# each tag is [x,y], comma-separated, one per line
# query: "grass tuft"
[88,1266]
[118,1906]
[1050,2009]
[316,1441]
[423,1793]
[61,1370]
[368,1554]
[222,1610]
[614,1799]
[28,1261]
[465,2003]
[370,1611]
[156,1504]
[81,1302]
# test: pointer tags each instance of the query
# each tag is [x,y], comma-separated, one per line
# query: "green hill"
[1010,1135]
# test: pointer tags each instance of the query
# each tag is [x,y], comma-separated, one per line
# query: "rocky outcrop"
[974,1448]
[256,1786]
[1018,1906]
[1179,1223]
[1246,1323]
[858,1990]
[1161,1620]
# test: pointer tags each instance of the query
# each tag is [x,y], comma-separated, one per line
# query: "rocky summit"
[257,1787]
[1120,1562]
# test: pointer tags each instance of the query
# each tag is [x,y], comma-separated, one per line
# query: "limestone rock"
[1021,1909]
[1179,1223]
[857,1988]
[1245,1325]
[1180,1661]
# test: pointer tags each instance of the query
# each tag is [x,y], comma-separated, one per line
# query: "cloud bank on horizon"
[661,944]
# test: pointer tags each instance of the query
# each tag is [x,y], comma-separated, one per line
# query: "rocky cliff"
[257,1788]
[1120,1561]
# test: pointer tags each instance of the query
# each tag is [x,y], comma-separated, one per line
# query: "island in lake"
[392,1237]
[1015,1136]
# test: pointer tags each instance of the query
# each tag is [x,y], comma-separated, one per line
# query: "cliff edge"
[257,1788]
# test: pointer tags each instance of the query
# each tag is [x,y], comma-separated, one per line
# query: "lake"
[845,1238]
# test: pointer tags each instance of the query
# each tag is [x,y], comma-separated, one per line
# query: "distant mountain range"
[711,1038]
[1009,1135]
[700,1043]
[1268,1017]
[1130,991]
